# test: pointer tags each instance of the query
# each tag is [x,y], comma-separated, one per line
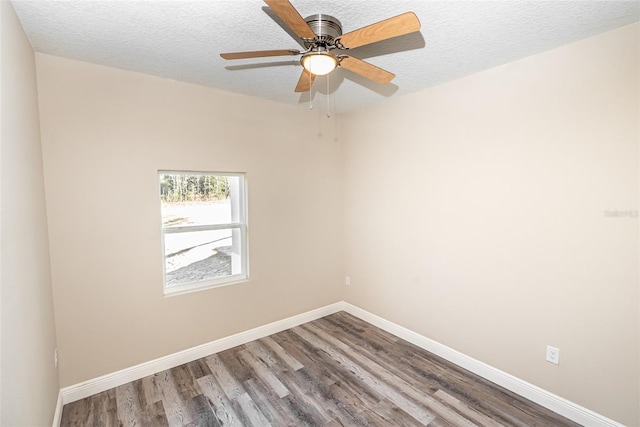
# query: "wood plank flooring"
[335,371]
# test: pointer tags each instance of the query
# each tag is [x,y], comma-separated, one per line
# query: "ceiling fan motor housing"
[326,28]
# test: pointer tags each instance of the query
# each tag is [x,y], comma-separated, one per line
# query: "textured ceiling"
[182,40]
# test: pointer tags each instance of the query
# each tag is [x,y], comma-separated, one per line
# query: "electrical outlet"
[553,355]
[347,280]
[55,358]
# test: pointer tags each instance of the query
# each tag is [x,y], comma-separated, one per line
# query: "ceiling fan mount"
[321,34]
[326,28]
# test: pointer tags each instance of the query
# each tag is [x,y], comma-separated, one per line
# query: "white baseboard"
[106,382]
[529,391]
[57,416]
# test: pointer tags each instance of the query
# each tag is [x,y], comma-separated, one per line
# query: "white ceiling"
[182,40]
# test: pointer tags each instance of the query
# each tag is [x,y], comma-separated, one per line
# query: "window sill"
[202,286]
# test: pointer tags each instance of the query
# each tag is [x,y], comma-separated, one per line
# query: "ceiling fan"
[326,46]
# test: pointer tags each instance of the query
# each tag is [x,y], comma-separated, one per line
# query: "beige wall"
[105,134]
[475,215]
[29,381]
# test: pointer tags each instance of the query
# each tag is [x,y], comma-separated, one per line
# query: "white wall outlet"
[553,355]
[347,280]
[55,358]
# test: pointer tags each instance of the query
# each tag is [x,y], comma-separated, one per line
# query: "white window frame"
[242,236]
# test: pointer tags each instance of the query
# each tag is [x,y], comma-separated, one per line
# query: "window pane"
[201,255]
[180,214]
[191,200]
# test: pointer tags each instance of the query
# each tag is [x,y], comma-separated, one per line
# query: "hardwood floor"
[335,371]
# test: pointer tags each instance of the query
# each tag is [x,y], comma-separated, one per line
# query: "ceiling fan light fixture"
[319,63]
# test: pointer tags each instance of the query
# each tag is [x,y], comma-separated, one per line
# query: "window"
[204,229]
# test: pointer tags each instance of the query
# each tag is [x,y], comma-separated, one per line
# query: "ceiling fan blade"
[365,69]
[305,81]
[260,54]
[291,17]
[389,28]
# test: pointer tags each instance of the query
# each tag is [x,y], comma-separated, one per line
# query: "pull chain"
[310,83]
[328,94]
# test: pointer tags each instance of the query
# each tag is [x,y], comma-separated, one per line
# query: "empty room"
[319,213]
